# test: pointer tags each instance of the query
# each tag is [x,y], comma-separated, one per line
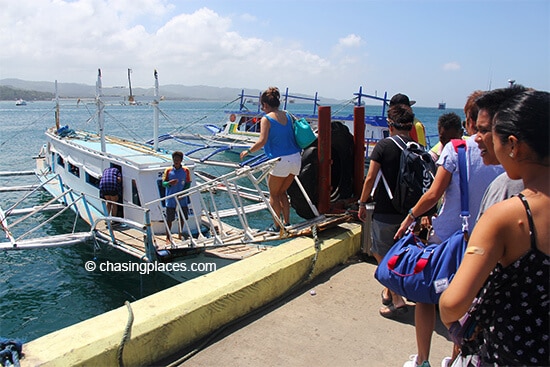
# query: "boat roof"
[121,151]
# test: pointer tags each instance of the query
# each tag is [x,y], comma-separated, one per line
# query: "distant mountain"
[8,93]
[74,90]
[169,91]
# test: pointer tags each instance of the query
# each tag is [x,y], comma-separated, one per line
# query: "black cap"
[401,99]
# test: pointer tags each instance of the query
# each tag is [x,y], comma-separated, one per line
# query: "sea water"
[44,290]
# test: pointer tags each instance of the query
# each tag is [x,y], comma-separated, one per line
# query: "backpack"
[416,175]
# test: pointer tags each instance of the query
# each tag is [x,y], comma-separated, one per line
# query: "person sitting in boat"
[277,139]
[175,179]
[110,189]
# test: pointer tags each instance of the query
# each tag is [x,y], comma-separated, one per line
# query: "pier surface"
[261,311]
[333,321]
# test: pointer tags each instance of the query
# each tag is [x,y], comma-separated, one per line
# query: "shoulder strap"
[458,142]
[401,143]
[381,175]
[464,194]
[290,116]
[530,220]
[378,176]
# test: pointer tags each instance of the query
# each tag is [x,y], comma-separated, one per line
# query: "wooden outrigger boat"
[69,167]
[242,126]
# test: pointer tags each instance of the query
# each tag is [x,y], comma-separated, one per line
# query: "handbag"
[303,133]
[422,272]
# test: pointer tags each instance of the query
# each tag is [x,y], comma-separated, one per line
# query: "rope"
[10,352]
[317,245]
[126,335]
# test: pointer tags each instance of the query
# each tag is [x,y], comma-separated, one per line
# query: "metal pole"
[324,155]
[358,149]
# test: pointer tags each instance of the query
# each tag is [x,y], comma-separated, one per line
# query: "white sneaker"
[446,362]
[412,361]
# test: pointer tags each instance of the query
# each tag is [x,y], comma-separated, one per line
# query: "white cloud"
[451,66]
[68,41]
[351,40]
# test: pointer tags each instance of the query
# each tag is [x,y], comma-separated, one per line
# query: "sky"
[432,50]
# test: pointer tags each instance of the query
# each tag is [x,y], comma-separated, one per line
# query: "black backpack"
[416,175]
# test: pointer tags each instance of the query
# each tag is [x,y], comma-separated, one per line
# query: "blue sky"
[431,50]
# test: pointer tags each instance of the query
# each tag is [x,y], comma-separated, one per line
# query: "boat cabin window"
[135,194]
[94,181]
[60,161]
[74,170]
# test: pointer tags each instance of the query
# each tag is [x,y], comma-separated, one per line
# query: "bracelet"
[362,203]
[411,214]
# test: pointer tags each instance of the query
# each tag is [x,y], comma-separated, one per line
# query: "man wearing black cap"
[418,132]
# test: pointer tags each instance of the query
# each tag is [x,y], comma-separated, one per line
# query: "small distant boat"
[20,102]
[442,106]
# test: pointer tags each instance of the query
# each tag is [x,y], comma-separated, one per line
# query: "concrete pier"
[169,321]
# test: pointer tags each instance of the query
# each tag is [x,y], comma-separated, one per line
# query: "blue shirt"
[183,176]
[280,140]
[448,220]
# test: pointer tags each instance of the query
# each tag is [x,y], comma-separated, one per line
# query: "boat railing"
[210,211]
[243,183]
[206,227]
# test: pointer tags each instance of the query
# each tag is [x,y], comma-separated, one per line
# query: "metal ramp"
[234,239]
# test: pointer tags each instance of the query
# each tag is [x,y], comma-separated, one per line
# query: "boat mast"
[131,97]
[56,107]
[100,107]
[156,113]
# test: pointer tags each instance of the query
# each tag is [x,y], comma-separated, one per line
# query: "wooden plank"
[235,252]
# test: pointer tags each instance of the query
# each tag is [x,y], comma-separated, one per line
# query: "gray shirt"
[500,189]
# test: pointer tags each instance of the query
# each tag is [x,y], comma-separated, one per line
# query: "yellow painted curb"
[170,320]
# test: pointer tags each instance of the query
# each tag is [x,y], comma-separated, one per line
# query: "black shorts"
[108,193]
[171,213]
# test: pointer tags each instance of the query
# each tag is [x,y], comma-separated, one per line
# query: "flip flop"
[391,311]
[385,301]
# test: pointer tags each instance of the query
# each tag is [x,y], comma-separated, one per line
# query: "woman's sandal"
[391,311]
[386,301]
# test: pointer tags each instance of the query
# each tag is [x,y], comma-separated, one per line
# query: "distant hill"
[75,90]
[8,93]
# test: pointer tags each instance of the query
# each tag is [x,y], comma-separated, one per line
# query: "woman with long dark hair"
[506,265]
[277,139]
